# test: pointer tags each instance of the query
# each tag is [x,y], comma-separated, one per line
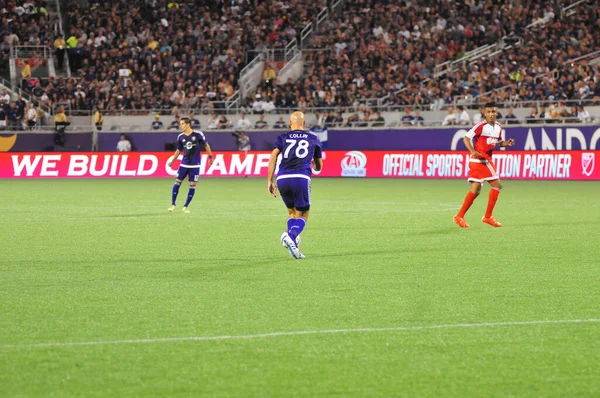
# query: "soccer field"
[104,293]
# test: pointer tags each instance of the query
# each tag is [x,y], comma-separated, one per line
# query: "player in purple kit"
[300,150]
[189,142]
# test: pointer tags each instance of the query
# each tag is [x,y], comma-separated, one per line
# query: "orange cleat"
[492,221]
[461,222]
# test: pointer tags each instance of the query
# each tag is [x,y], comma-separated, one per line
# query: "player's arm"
[468,140]
[208,152]
[172,159]
[509,142]
[317,162]
[471,148]
[272,162]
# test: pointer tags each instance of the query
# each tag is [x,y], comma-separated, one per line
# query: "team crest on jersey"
[193,138]
[587,163]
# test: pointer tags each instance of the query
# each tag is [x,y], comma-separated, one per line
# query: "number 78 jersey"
[298,148]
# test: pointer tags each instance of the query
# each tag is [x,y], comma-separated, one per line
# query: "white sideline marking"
[294,333]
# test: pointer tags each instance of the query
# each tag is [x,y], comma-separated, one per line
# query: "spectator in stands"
[21,105]
[213,123]
[464,119]
[60,125]
[258,104]
[175,123]
[157,124]
[223,123]
[98,119]
[31,116]
[261,124]
[269,76]
[329,121]
[25,76]
[407,119]
[352,120]
[319,120]
[280,124]
[243,123]
[339,120]
[583,115]
[510,117]
[60,46]
[418,119]
[123,145]
[378,121]
[14,117]
[450,118]
[195,123]
[4,98]
[533,115]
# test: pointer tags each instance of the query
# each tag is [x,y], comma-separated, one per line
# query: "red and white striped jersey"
[485,137]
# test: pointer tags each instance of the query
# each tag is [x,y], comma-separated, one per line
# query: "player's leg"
[493,198]
[181,173]
[467,202]
[287,195]
[302,190]
[193,177]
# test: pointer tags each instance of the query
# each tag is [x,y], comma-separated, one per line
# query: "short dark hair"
[186,120]
[490,104]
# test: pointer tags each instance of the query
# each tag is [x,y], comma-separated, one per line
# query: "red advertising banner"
[540,165]
[33,62]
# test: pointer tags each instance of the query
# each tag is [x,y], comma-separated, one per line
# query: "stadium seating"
[374,55]
[163,54]
[376,49]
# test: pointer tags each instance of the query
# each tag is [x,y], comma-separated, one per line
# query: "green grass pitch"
[104,293]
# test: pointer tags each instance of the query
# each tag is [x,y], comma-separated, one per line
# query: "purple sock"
[175,192]
[191,193]
[298,225]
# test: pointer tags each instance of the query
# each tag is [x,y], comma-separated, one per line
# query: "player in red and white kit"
[481,141]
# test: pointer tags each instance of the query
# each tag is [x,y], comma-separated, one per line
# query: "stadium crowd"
[376,49]
[166,55]
[162,54]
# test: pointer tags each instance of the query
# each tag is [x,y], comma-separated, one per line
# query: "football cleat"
[492,221]
[185,210]
[291,245]
[171,208]
[461,222]
[297,241]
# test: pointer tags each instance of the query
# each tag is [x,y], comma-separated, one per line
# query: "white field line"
[295,333]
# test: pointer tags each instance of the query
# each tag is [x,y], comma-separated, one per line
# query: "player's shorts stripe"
[492,170]
[478,161]
[190,166]
[293,176]
[309,190]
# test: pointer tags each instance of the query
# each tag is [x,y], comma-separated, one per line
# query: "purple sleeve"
[179,145]
[279,143]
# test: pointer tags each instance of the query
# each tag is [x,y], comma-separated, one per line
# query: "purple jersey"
[298,148]
[190,146]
